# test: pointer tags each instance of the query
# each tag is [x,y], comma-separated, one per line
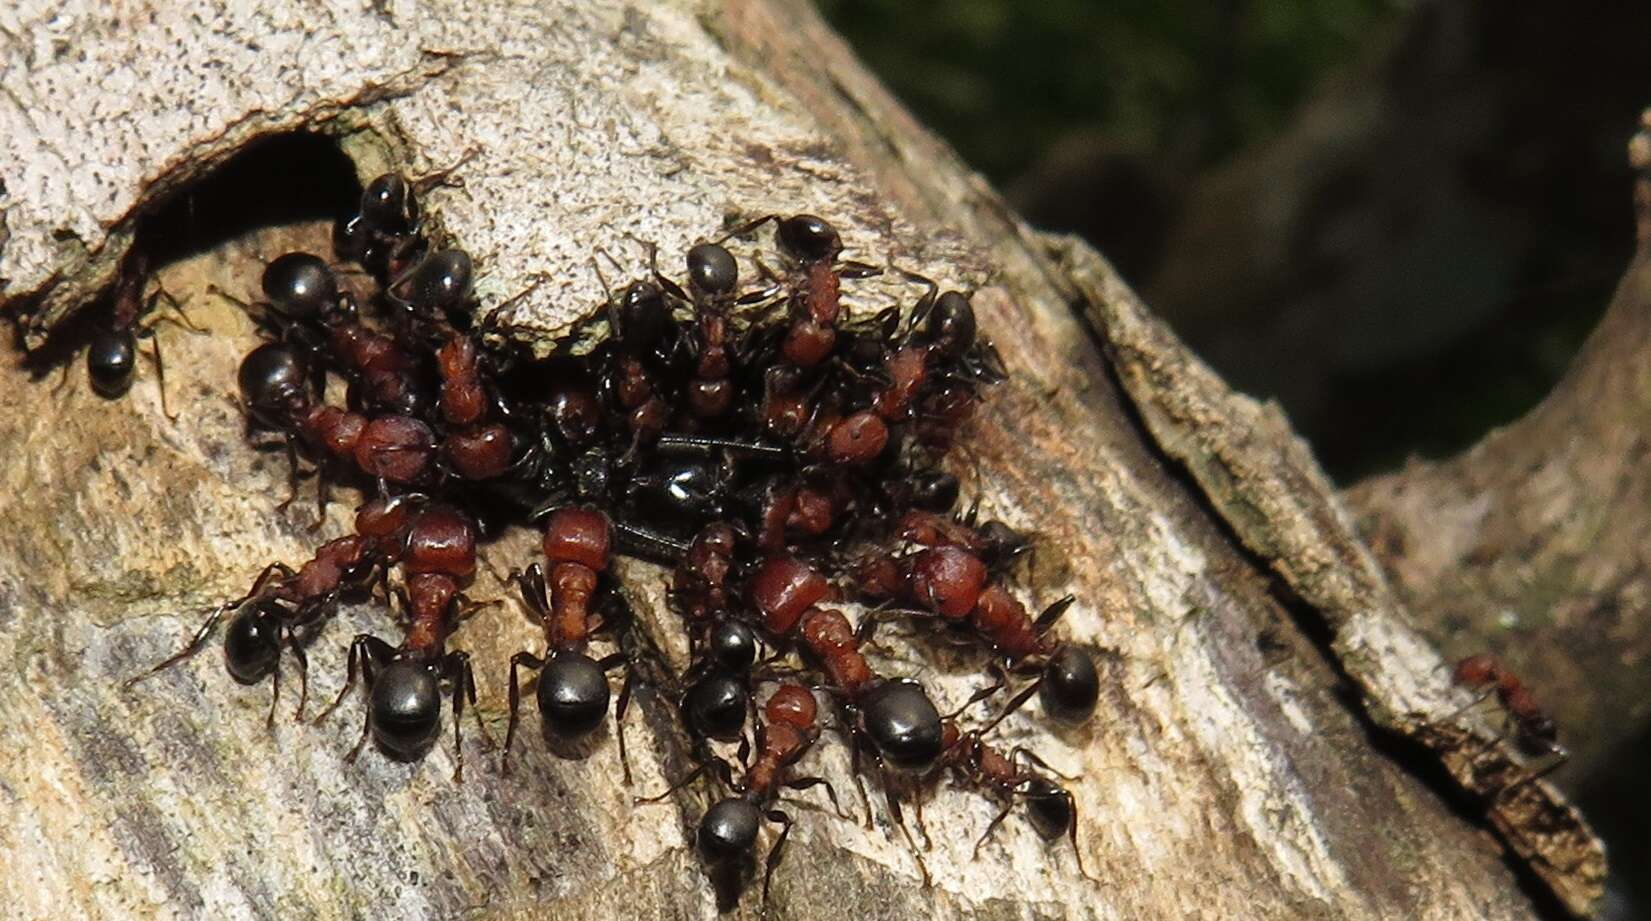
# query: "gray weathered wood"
[1220,778]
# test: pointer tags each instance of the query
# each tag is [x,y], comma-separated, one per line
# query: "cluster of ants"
[778,452]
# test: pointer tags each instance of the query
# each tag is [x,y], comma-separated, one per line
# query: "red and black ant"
[573,688]
[728,830]
[404,683]
[1050,807]
[811,246]
[950,581]
[1534,730]
[283,603]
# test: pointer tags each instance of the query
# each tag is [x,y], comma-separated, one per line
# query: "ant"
[895,715]
[1534,730]
[404,683]
[283,603]
[111,356]
[1050,807]
[573,688]
[812,247]
[394,448]
[474,448]
[951,582]
[728,830]
[384,235]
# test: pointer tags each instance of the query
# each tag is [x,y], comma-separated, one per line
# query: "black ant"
[111,356]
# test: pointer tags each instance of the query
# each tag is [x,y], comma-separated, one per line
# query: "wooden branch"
[1532,544]
[1223,775]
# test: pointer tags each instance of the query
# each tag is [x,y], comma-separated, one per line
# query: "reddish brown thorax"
[1002,621]
[857,439]
[783,588]
[398,449]
[829,637]
[577,547]
[823,293]
[947,580]
[576,535]
[906,369]
[334,430]
[479,454]
[463,401]
[786,733]
[442,540]
[699,583]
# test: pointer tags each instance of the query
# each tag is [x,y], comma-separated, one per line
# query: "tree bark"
[1273,739]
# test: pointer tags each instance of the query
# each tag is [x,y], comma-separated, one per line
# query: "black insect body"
[774,444]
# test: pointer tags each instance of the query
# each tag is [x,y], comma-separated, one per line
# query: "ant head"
[951,325]
[271,378]
[1049,808]
[712,269]
[252,644]
[904,725]
[934,491]
[441,281]
[728,830]
[406,708]
[111,361]
[733,645]
[573,695]
[386,205]
[808,239]
[715,707]
[1070,686]
[300,285]
[1003,543]
[643,318]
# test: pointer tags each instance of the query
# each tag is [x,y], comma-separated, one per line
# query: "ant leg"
[457,667]
[531,584]
[160,374]
[1021,753]
[441,177]
[692,776]
[292,472]
[275,695]
[1051,614]
[745,228]
[851,269]
[670,287]
[303,673]
[372,648]
[470,691]
[854,769]
[621,705]
[991,827]
[1014,704]
[1000,679]
[193,646]
[516,661]
[364,645]
[323,495]
[900,820]
[806,783]
[777,851]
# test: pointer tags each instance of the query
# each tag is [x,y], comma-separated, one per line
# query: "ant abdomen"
[405,708]
[252,643]
[573,695]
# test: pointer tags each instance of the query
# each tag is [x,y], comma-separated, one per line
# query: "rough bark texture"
[1533,544]
[1266,712]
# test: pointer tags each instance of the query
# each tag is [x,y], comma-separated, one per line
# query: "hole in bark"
[280,179]
[283,179]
